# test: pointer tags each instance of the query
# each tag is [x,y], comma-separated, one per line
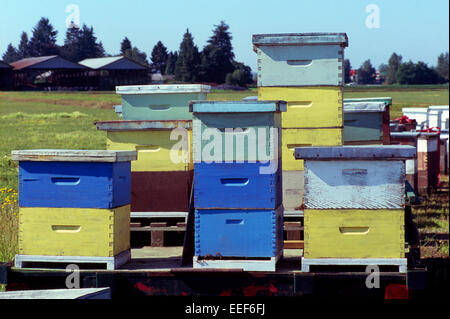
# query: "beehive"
[307,107]
[160,145]
[366,122]
[72,178]
[237,185]
[355,177]
[238,196]
[227,131]
[159,102]
[354,204]
[238,232]
[74,231]
[300,59]
[354,233]
[293,138]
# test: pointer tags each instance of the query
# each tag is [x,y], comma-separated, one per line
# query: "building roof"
[4,65]
[112,63]
[45,63]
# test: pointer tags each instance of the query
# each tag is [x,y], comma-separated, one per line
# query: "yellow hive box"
[292,138]
[307,106]
[354,233]
[74,231]
[153,149]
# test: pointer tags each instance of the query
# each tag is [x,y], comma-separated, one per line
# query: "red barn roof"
[51,62]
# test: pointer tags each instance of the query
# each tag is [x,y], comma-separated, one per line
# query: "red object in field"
[438,158]
[396,291]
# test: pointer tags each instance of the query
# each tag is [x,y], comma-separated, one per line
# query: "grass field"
[66,120]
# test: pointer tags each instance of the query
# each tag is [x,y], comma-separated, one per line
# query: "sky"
[416,29]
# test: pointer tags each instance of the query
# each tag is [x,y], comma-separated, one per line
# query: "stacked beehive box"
[74,206]
[354,198]
[367,121]
[158,125]
[306,70]
[423,172]
[237,184]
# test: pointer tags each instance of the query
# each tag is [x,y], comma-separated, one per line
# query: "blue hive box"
[237,185]
[239,233]
[72,178]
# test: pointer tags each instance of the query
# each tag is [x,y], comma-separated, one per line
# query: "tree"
[71,49]
[406,73]
[366,73]
[188,62]
[347,69]
[241,76]
[159,57]
[24,46]
[11,54]
[218,56]
[133,53]
[81,44]
[442,67]
[171,62]
[125,45]
[420,73]
[43,40]
[394,63]
[383,69]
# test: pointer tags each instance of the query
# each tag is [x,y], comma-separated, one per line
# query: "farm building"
[108,72]
[5,76]
[48,72]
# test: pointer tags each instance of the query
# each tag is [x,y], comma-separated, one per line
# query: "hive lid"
[414,109]
[162,89]
[355,152]
[278,39]
[386,100]
[249,106]
[61,155]
[366,107]
[438,107]
[143,125]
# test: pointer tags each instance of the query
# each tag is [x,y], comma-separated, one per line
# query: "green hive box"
[160,102]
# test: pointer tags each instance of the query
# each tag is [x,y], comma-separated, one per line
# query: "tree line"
[398,72]
[214,64]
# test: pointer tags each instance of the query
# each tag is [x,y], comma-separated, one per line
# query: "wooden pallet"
[110,262]
[400,262]
[247,264]
[157,230]
[293,235]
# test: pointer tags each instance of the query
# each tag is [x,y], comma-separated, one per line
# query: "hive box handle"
[234,181]
[66,228]
[299,104]
[354,230]
[234,222]
[299,62]
[65,180]
[147,148]
[159,107]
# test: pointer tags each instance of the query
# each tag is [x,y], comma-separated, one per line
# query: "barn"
[49,73]
[5,76]
[105,73]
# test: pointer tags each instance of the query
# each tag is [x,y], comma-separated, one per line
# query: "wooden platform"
[248,264]
[400,262]
[85,293]
[111,263]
